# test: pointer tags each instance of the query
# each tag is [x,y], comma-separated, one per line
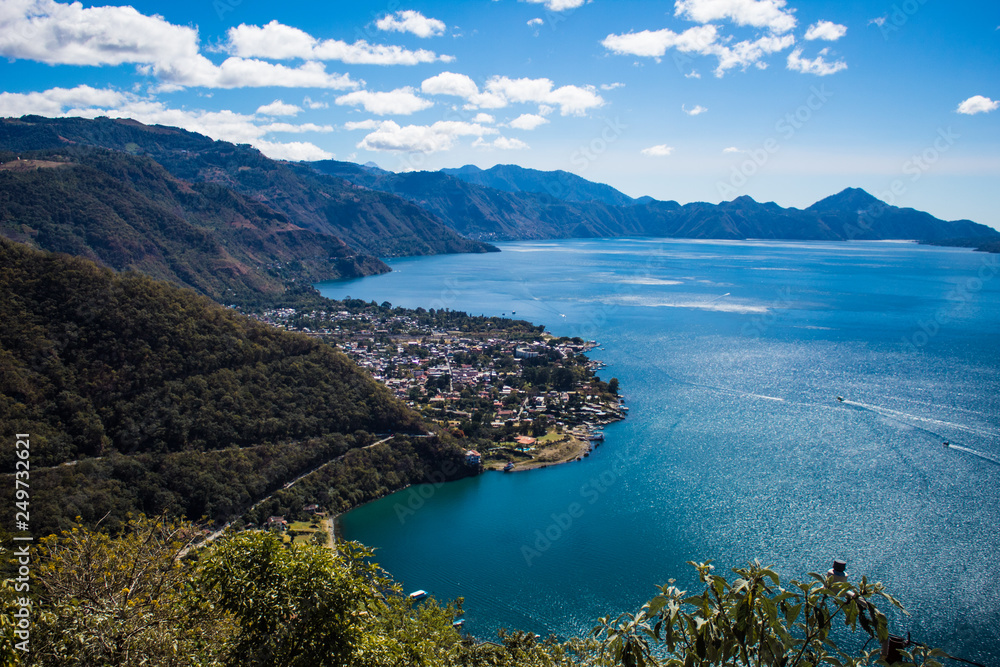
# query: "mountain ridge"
[501,214]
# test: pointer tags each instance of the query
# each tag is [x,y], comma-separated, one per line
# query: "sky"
[690,100]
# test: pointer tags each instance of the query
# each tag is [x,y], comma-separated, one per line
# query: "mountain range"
[233,224]
[508,202]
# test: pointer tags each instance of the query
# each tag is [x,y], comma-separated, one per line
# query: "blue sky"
[691,100]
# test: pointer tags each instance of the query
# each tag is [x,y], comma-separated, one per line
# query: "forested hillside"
[166,398]
[373,223]
[128,212]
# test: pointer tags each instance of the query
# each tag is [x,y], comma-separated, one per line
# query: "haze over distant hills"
[229,222]
[212,215]
[508,202]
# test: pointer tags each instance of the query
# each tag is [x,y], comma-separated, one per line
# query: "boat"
[418,595]
[598,436]
[840,398]
[947,444]
[509,466]
[458,624]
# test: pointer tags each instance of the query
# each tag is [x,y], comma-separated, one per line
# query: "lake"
[731,356]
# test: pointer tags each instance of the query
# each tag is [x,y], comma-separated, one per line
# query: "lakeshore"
[509,390]
[732,355]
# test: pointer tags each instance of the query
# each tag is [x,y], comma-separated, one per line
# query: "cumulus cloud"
[401,102]
[413,22]
[732,149]
[654,43]
[483,118]
[558,5]
[534,23]
[276,41]
[390,136]
[88,102]
[693,111]
[246,73]
[977,104]
[527,121]
[770,14]
[818,65]
[661,150]
[827,30]
[500,143]
[52,102]
[278,108]
[56,33]
[703,40]
[369,124]
[450,83]
[295,151]
[500,91]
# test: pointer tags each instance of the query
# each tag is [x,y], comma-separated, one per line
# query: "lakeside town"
[521,397]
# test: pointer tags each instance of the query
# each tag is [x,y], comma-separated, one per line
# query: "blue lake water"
[731,356]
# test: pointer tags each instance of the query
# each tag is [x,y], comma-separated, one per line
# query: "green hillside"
[148,390]
[128,212]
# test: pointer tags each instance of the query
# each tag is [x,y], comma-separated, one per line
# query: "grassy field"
[310,532]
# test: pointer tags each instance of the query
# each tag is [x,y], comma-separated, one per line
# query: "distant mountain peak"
[847,200]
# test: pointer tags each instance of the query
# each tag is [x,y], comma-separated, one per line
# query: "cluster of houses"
[456,374]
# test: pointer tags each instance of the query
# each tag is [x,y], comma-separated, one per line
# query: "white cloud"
[500,143]
[534,23]
[746,53]
[693,74]
[247,73]
[53,101]
[977,104]
[401,101]
[276,41]
[413,22]
[310,104]
[527,121]
[294,151]
[278,108]
[501,91]
[612,86]
[571,100]
[879,21]
[369,124]
[450,83]
[661,150]
[704,40]
[55,33]
[654,43]
[390,136]
[483,118]
[506,144]
[732,149]
[827,30]
[558,5]
[693,111]
[770,14]
[818,66]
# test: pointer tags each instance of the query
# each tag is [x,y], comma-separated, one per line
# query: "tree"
[754,621]
[128,600]
[306,605]
[613,386]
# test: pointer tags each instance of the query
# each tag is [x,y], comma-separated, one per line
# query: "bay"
[731,356]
